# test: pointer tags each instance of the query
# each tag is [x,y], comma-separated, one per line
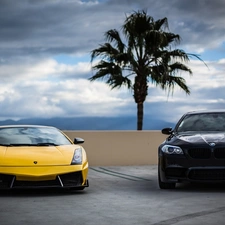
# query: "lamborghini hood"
[36,156]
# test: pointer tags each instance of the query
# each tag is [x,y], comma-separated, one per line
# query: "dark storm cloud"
[54,27]
[46,26]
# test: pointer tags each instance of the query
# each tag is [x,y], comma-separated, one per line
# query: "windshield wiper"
[16,144]
[46,144]
[5,144]
[24,144]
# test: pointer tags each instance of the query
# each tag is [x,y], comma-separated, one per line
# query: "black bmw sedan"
[194,151]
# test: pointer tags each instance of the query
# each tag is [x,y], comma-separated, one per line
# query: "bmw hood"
[36,156]
[203,138]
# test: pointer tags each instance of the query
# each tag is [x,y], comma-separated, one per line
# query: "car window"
[32,136]
[202,122]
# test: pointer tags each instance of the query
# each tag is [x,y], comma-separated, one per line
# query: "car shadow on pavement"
[201,187]
[39,192]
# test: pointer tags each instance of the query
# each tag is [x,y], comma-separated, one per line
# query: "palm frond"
[177,66]
[173,81]
[198,57]
[112,74]
[104,51]
[172,38]
[114,36]
[164,76]
[178,54]
[161,23]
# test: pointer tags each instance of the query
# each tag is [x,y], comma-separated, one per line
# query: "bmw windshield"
[202,122]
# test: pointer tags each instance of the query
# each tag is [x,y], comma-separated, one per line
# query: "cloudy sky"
[45,64]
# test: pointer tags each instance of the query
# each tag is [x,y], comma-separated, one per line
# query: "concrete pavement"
[125,195]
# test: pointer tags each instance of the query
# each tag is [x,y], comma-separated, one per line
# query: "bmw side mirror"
[167,130]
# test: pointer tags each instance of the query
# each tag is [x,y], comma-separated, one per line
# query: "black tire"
[165,185]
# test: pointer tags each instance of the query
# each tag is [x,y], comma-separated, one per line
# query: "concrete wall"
[118,148]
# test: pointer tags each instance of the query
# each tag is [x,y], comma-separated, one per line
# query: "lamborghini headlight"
[77,157]
[172,150]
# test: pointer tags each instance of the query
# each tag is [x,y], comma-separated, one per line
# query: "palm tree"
[144,55]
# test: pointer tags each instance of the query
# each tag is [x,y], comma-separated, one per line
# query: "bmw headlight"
[77,157]
[170,149]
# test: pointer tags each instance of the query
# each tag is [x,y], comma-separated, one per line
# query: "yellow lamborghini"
[33,156]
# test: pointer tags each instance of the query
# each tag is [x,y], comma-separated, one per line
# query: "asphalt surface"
[126,195]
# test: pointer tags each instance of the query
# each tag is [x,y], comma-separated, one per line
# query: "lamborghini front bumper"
[41,177]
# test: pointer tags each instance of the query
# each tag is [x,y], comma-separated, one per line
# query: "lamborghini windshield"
[34,136]
[203,122]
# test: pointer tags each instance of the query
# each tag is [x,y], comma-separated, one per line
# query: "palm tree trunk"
[140,112]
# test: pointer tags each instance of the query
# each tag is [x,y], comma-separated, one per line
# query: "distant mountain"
[93,123]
